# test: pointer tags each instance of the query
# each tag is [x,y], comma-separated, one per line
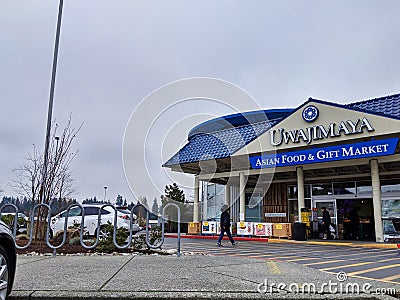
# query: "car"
[20,215]
[22,222]
[91,219]
[8,260]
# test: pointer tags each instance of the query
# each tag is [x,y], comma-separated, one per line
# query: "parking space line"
[367,278]
[304,258]
[373,269]
[324,262]
[273,267]
[397,276]
[388,259]
[348,266]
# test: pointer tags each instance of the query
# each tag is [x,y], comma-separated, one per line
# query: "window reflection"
[344,188]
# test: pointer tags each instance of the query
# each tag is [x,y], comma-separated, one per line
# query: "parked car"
[91,219]
[20,216]
[22,221]
[8,259]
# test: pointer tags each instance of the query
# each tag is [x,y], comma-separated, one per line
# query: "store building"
[269,165]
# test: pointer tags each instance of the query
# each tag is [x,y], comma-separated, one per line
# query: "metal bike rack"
[82,225]
[31,219]
[162,229]
[15,208]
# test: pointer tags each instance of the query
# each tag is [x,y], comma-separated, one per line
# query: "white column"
[196,199]
[376,199]
[242,190]
[228,194]
[300,190]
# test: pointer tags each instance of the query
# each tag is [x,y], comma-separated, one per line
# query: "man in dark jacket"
[326,221]
[225,225]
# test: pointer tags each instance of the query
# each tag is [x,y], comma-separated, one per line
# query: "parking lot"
[382,264]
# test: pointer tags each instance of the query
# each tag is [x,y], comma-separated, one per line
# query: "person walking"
[225,225]
[326,222]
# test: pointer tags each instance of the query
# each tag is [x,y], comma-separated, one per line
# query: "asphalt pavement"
[190,276]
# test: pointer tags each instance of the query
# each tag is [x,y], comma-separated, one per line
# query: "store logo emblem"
[310,113]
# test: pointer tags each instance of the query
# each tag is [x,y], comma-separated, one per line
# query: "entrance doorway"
[330,206]
[355,219]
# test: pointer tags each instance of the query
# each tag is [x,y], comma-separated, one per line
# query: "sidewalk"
[361,244]
[130,276]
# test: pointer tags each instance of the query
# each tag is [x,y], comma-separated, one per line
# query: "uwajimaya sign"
[315,155]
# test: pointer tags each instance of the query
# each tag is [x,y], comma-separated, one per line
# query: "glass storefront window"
[215,200]
[219,195]
[388,227]
[390,186]
[391,208]
[254,207]
[322,189]
[307,191]
[364,187]
[292,191]
[293,211]
[344,188]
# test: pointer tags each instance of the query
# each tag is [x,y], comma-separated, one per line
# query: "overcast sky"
[115,53]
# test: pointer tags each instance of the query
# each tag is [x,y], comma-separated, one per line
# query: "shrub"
[106,243]
[139,242]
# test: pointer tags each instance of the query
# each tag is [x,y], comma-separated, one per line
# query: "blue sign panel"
[333,153]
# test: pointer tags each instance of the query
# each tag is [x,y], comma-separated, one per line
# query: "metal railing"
[81,230]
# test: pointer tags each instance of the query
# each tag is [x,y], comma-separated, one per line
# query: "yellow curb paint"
[348,244]
[331,244]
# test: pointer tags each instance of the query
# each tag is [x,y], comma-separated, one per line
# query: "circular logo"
[341,276]
[310,113]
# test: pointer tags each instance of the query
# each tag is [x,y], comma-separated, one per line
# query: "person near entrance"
[326,222]
[354,223]
[225,226]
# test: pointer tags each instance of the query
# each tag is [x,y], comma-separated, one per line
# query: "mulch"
[41,247]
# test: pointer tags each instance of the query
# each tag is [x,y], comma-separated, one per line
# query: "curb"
[210,237]
[311,242]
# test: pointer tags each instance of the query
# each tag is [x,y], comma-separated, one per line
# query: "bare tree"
[59,181]
[28,176]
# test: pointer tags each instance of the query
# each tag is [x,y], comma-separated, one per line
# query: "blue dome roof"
[239,119]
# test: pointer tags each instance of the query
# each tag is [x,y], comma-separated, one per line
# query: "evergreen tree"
[119,201]
[143,200]
[173,194]
[155,208]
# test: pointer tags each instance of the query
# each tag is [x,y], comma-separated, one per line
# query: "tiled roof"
[220,144]
[388,106]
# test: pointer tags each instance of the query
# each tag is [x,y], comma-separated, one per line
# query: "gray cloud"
[113,54]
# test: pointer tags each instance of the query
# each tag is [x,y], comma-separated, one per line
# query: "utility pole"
[50,109]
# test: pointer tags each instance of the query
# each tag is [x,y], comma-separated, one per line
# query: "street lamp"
[50,108]
[57,138]
[105,193]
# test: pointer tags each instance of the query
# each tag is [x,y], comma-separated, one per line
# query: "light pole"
[50,108]
[105,193]
[57,138]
